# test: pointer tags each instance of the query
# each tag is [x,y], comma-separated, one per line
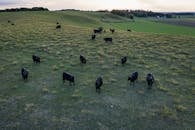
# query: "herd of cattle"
[99,81]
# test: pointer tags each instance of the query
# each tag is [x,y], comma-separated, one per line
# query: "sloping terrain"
[44,102]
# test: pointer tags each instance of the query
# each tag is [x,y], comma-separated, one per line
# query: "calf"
[24,73]
[108,39]
[58,26]
[133,77]
[150,80]
[112,30]
[69,77]
[36,59]
[93,37]
[123,60]
[83,59]
[98,84]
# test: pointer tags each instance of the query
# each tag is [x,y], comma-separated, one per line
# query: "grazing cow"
[98,84]
[58,26]
[133,77]
[129,30]
[57,23]
[112,30]
[123,60]
[99,30]
[83,59]
[36,59]
[93,37]
[150,80]
[8,21]
[13,24]
[24,73]
[69,77]
[108,39]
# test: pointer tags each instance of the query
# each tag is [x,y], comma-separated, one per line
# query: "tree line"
[25,9]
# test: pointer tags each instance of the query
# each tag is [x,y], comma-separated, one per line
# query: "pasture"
[44,102]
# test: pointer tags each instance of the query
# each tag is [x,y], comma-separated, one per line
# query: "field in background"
[45,102]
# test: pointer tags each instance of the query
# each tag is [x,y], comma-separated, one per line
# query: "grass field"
[44,102]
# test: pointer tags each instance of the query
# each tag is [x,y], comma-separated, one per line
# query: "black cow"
[129,30]
[123,60]
[8,21]
[36,59]
[83,59]
[150,80]
[12,24]
[24,73]
[97,31]
[112,30]
[98,84]
[93,37]
[108,39]
[57,23]
[69,77]
[58,26]
[133,77]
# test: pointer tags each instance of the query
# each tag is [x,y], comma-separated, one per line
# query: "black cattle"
[8,21]
[97,31]
[108,39]
[69,77]
[58,26]
[129,30]
[93,37]
[123,60]
[36,59]
[150,80]
[98,84]
[57,23]
[24,73]
[112,30]
[12,24]
[83,59]
[133,77]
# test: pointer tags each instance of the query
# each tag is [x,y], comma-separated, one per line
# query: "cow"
[24,73]
[98,84]
[12,24]
[133,77]
[93,37]
[83,59]
[36,59]
[150,80]
[69,77]
[57,22]
[112,30]
[108,39]
[8,21]
[58,26]
[129,30]
[99,30]
[123,60]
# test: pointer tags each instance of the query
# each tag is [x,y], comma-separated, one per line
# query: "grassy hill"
[45,102]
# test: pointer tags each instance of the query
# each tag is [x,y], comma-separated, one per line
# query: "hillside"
[44,102]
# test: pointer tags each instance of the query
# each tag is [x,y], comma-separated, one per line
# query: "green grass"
[44,102]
